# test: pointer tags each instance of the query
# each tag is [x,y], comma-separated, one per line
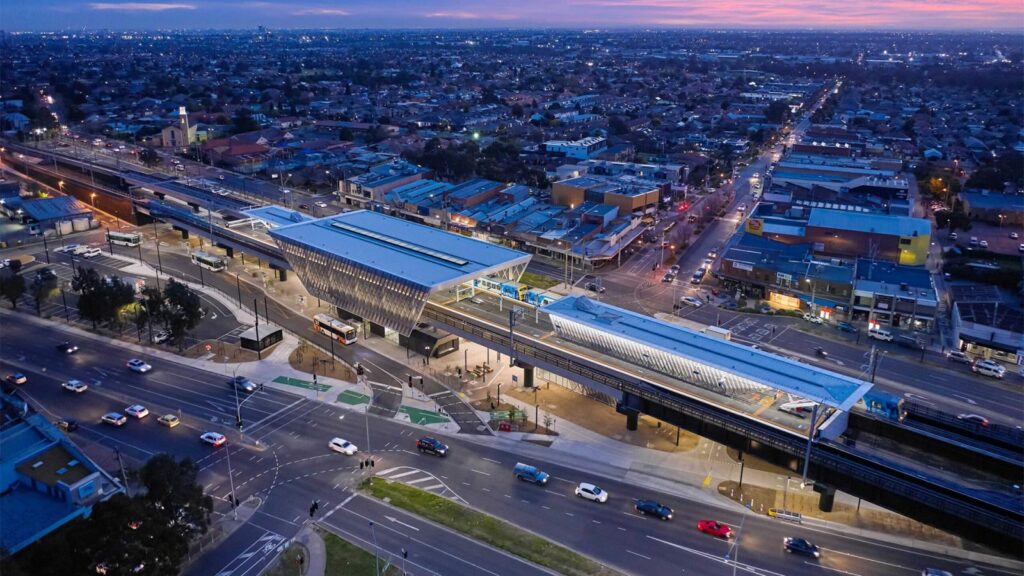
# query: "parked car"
[136,365]
[1014,235]
[342,446]
[989,368]
[432,445]
[715,528]
[76,386]
[801,546]
[17,378]
[883,335]
[67,348]
[44,274]
[952,236]
[588,491]
[213,439]
[137,410]
[984,244]
[730,305]
[653,508]
[114,419]
[958,356]
[766,309]
[935,572]
[529,473]
[909,342]
[161,337]
[846,327]
[814,319]
[169,420]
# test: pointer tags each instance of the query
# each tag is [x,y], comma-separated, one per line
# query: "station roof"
[58,208]
[276,216]
[735,360]
[384,268]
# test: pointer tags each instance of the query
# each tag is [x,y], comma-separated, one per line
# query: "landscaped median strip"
[301,383]
[485,528]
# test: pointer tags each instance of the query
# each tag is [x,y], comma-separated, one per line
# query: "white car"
[984,243]
[80,249]
[213,439]
[92,253]
[590,492]
[76,386]
[67,248]
[883,335]
[137,410]
[814,319]
[989,368]
[320,204]
[161,337]
[114,418]
[343,446]
[136,365]
[692,301]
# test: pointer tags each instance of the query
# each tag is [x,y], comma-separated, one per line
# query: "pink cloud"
[140,6]
[321,12]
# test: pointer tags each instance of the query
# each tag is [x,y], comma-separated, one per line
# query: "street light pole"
[231,480]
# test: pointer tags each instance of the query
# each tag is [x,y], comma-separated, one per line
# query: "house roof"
[904,226]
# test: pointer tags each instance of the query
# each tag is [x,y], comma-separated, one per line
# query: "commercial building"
[45,480]
[1006,210]
[373,185]
[888,295]
[580,149]
[628,197]
[986,326]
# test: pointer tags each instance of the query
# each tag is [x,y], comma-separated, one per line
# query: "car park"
[169,420]
[883,335]
[342,446]
[432,445]
[114,419]
[76,386]
[67,424]
[213,439]
[846,327]
[814,319]
[715,528]
[528,473]
[137,410]
[691,301]
[653,508]
[801,546]
[975,419]
[67,348]
[17,378]
[136,365]
[958,356]
[244,384]
[588,491]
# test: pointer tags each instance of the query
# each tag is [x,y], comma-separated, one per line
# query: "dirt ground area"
[308,359]
[221,352]
[806,503]
[603,419]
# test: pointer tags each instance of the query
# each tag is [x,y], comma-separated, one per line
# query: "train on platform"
[886,405]
[515,291]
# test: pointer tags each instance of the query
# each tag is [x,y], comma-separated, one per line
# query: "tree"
[149,157]
[171,485]
[617,126]
[182,310]
[100,299]
[15,265]
[42,290]
[12,286]
[776,112]
[243,121]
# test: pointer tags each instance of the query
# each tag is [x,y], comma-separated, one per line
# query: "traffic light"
[410,380]
[312,511]
[260,388]
[360,370]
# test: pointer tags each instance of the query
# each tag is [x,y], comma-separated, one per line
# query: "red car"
[716,529]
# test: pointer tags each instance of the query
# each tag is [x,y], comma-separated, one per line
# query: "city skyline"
[1006,15]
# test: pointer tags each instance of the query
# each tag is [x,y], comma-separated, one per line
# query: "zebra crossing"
[420,479]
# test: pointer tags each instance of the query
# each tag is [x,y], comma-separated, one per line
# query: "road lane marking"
[434,487]
[840,571]
[403,474]
[638,554]
[420,480]
[479,472]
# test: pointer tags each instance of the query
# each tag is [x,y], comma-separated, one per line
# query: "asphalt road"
[290,466]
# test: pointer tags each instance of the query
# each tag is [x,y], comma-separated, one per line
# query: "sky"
[19,15]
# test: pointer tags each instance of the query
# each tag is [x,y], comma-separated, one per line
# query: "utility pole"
[124,475]
[231,480]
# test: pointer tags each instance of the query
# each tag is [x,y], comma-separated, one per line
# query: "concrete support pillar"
[184,234]
[828,497]
[527,376]
[282,275]
[632,420]
[229,251]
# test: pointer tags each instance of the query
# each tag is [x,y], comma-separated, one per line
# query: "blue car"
[653,508]
[801,546]
[846,327]
[529,473]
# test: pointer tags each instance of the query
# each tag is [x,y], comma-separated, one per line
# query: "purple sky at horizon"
[1006,15]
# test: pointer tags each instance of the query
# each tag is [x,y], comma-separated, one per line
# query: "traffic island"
[484,527]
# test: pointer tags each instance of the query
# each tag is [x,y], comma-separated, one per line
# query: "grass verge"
[485,528]
[287,564]
[538,280]
[343,557]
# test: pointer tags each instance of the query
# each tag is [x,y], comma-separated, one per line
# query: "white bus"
[124,238]
[336,329]
[208,261]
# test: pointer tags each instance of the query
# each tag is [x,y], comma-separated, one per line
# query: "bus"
[335,329]
[124,238]
[208,261]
